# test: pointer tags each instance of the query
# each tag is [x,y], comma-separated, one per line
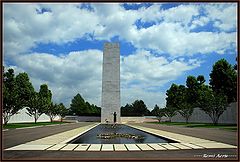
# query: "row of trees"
[80,107]
[213,99]
[18,93]
[137,108]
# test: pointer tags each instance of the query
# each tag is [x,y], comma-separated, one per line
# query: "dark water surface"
[91,136]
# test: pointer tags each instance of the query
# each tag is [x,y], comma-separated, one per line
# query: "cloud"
[81,72]
[78,72]
[224,16]
[170,36]
[146,70]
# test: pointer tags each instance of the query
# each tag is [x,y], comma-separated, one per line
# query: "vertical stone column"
[111,83]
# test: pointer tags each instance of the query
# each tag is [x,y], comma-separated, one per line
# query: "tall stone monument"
[110,112]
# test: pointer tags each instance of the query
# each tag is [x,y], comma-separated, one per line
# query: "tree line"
[81,107]
[19,93]
[213,99]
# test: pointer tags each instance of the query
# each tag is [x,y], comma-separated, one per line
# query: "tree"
[185,107]
[44,92]
[11,100]
[191,92]
[36,106]
[51,110]
[178,98]
[201,80]
[155,110]
[172,96]
[213,104]
[139,108]
[159,113]
[45,95]
[62,111]
[170,112]
[78,106]
[24,88]
[223,79]
[127,110]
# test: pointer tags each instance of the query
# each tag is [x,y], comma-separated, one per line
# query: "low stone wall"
[132,119]
[82,119]
[228,117]
[89,118]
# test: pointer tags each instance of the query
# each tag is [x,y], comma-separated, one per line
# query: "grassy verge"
[22,125]
[230,127]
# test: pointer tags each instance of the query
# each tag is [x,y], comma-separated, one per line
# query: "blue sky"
[160,44]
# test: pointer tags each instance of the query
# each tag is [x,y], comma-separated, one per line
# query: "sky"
[61,45]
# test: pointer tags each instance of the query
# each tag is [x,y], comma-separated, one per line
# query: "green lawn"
[231,127]
[21,125]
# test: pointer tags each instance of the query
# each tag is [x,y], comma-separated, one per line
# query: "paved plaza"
[51,142]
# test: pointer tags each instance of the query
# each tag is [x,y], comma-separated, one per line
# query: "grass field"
[231,127]
[21,125]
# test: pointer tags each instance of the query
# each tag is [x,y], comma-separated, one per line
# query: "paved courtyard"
[50,142]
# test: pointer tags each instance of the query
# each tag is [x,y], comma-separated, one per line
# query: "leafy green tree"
[170,112]
[178,98]
[62,111]
[51,110]
[223,79]
[159,113]
[36,106]
[127,110]
[24,88]
[11,100]
[213,104]
[78,106]
[201,80]
[185,108]
[95,110]
[44,92]
[155,110]
[139,108]
[172,96]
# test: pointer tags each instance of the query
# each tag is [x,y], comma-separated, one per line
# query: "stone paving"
[59,142]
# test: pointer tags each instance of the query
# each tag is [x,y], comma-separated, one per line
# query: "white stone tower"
[111,84]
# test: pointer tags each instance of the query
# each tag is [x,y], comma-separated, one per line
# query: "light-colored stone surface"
[179,145]
[82,147]
[120,147]
[63,137]
[57,147]
[192,146]
[69,147]
[173,136]
[216,145]
[107,147]
[95,147]
[156,146]
[168,146]
[29,147]
[110,83]
[132,147]
[144,147]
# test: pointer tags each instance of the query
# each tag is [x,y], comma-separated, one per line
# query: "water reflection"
[91,135]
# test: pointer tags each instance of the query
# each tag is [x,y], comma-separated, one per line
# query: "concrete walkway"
[42,146]
[60,142]
[14,137]
[225,136]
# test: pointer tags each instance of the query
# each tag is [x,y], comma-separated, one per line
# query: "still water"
[90,136]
